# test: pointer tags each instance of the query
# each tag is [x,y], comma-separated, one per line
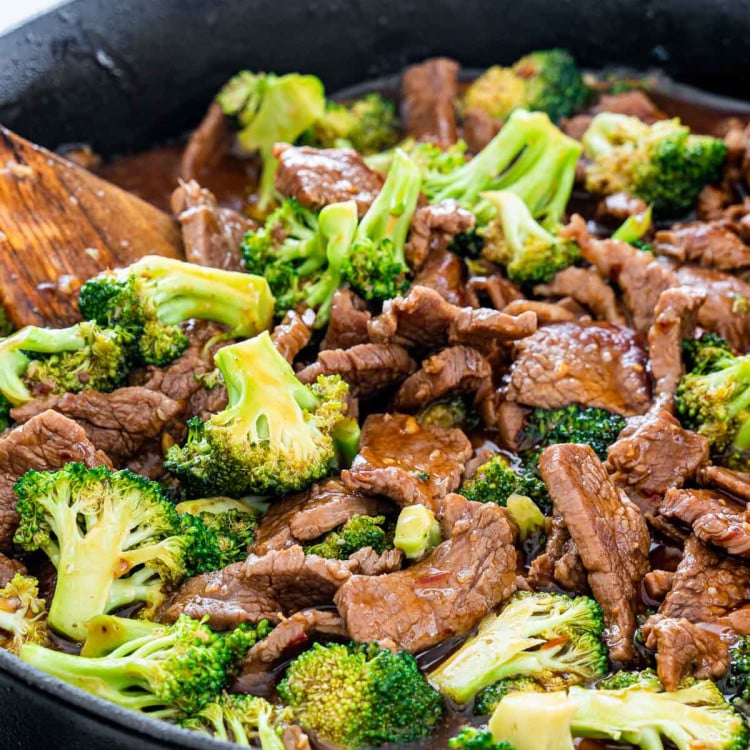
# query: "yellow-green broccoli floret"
[473,738]
[417,531]
[487,698]
[356,534]
[23,615]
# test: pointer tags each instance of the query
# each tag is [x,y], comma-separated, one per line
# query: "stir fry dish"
[439,437]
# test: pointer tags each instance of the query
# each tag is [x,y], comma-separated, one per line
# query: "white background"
[15,12]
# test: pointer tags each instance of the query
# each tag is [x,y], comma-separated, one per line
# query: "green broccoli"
[5,407]
[529,156]
[244,720]
[646,678]
[169,673]
[553,638]
[513,239]
[738,678]
[23,615]
[472,738]
[569,424]
[151,297]
[301,254]
[643,715]
[526,514]
[357,533]
[427,156]
[663,163]
[357,695]
[376,266]
[700,355]
[547,81]
[62,360]
[634,228]
[417,531]
[270,109]
[487,698]
[105,633]
[113,536]
[274,435]
[450,412]
[496,480]
[346,434]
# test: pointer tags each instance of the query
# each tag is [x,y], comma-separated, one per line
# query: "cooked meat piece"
[9,568]
[708,244]
[585,286]
[488,283]
[675,319]
[616,208]
[715,518]
[735,482]
[560,562]
[631,103]
[653,454]
[347,326]
[708,587]
[211,234]
[685,650]
[207,143]
[319,177]
[444,272]
[293,334]
[294,738]
[261,588]
[711,202]
[546,312]
[307,515]
[592,364]
[657,583]
[118,423]
[444,595]
[433,227]
[609,532]
[370,563]
[368,368]
[150,459]
[408,463]
[45,442]
[510,421]
[737,217]
[427,94]
[479,129]
[424,318]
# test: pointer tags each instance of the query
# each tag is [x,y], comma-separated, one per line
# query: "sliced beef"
[487,284]
[592,364]
[9,568]
[631,103]
[685,650]
[560,562]
[293,334]
[424,318]
[714,517]
[120,423]
[370,563]
[427,94]
[653,454]
[319,177]
[587,287]
[711,202]
[546,312]
[444,595]
[211,234]
[708,244]
[735,482]
[433,227]
[610,534]
[45,442]
[310,514]
[263,587]
[368,368]
[445,273]
[207,144]
[408,463]
[617,207]
[657,583]
[479,128]
[347,325]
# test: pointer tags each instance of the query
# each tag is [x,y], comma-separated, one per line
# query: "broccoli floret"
[569,424]
[113,536]
[529,156]
[529,252]
[23,615]
[472,738]
[244,720]
[417,531]
[62,360]
[642,715]
[634,228]
[487,698]
[663,163]
[171,672]
[105,633]
[551,637]
[526,514]
[270,109]
[376,266]
[496,480]
[700,355]
[450,412]
[547,81]
[358,695]
[346,434]
[646,678]
[737,681]
[357,533]
[151,297]
[274,435]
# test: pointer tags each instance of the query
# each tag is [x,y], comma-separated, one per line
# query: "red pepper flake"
[433,578]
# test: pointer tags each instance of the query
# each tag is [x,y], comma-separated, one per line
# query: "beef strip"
[319,177]
[653,454]
[546,312]
[592,364]
[711,202]
[310,514]
[119,423]
[632,103]
[9,568]
[427,94]
[444,272]
[685,650]
[293,334]
[45,442]
[347,325]
[708,244]
[714,517]
[433,227]
[609,532]
[408,463]
[207,143]
[368,368]
[487,282]
[735,482]
[585,286]
[294,738]
[370,563]
[443,595]
[560,562]
[479,128]
[211,234]
[657,583]
[424,318]
[617,207]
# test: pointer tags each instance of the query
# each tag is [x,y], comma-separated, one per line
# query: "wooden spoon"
[60,225]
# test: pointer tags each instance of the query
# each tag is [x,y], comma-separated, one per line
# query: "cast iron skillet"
[122,75]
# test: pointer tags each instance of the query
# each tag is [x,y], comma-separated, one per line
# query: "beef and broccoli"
[439,436]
